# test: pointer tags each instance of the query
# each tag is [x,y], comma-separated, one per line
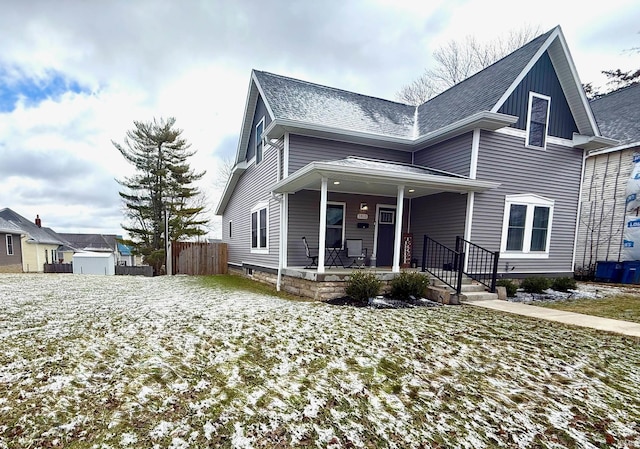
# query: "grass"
[618,307]
[230,282]
[106,362]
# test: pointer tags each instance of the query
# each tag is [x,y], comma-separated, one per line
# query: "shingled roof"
[618,114]
[480,92]
[36,234]
[305,102]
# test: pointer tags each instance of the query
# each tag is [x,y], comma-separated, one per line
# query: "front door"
[386,225]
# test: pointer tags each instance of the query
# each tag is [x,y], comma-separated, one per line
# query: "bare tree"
[224,172]
[457,60]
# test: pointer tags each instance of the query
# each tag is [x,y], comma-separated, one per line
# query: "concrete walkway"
[575,319]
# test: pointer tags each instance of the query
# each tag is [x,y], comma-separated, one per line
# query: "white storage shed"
[94,263]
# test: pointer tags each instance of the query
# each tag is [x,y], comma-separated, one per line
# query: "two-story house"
[494,162]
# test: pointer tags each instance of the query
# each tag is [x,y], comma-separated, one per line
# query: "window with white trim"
[335,225]
[259,229]
[538,120]
[526,228]
[230,229]
[258,142]
[9,245]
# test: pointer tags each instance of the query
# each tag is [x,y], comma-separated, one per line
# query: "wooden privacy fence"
[198,258]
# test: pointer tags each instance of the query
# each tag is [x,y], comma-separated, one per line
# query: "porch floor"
[339,273]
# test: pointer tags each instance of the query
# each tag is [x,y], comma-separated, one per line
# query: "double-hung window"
[538,120]
[9,245]
[258,143]
[526,228]
[259,229]
[335,225]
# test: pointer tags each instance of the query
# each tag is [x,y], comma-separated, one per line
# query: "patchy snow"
[109,362]
[584,290]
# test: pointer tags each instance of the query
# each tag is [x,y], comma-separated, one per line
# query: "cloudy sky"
[74,75]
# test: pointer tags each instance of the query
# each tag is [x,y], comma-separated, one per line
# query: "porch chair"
[313,255]
[356,252]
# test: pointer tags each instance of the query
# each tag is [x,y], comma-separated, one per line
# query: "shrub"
[564,284]
[409,283]
[363,285]
[511,286]
[535,284]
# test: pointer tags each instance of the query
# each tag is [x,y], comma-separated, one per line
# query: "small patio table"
[333,257]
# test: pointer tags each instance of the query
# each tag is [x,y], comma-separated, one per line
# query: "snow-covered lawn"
[119,361]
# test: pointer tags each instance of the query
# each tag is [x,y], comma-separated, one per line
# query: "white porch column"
[322,236]
[398,237]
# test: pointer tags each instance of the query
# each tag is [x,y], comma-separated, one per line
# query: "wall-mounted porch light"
[364,207]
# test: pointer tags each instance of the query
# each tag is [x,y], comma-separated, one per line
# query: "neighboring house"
[607,171]
[496,160]
[37,245]
[11,249]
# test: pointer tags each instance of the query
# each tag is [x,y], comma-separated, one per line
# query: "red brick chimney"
[38,221]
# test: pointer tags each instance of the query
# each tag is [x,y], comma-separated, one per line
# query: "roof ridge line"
[311,83]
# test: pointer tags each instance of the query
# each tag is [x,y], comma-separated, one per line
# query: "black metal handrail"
[442,262]
[482,264]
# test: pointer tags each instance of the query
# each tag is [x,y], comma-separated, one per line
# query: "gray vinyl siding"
[253,188]
[304,219]
[441,217]
[261,111]
[602,213]
[542,79]
[305,149]
[16,258]
[553,174]
[453,156]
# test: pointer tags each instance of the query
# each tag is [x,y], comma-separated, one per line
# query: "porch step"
[477,296]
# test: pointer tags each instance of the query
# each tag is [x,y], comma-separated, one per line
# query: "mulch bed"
[383,302]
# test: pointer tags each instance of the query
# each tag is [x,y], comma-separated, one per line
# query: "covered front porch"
[329,203]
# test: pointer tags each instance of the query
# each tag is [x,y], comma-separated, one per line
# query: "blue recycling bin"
[609,272]
[631,272]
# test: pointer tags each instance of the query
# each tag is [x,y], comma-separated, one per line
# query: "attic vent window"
[259,144]
[538,120]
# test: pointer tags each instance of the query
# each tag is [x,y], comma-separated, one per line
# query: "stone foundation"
[319,287]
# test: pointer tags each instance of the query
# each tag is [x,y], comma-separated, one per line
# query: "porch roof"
[374,177]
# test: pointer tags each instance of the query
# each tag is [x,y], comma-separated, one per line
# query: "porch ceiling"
[367,177]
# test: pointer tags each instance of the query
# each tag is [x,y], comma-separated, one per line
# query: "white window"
[526,227]
[9,245]
[335,225]
[258,142]
[230,229]
[259,229]
[538,120]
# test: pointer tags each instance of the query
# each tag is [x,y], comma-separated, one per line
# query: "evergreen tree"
[162,184]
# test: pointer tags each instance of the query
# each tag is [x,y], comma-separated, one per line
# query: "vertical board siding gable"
[542,79]
[260,112]
[554,174]
[304,150]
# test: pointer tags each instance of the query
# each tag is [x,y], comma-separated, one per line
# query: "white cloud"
[192,60]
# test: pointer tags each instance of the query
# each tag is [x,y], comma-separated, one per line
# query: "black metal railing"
[442,262]
[482,264]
